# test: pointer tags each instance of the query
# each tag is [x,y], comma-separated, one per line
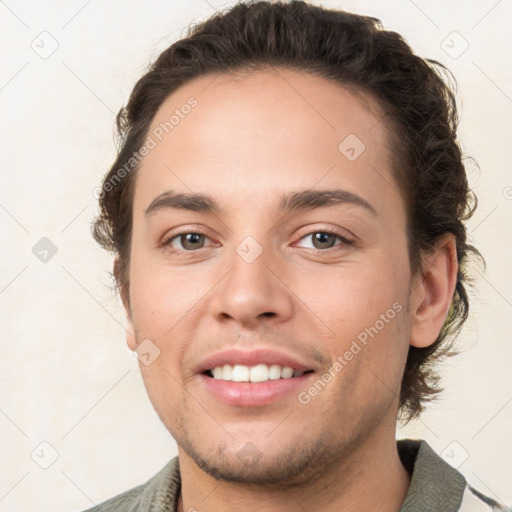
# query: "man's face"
[270,285]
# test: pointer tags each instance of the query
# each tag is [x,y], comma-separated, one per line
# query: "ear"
[123,292]
[130,335]
[432,295]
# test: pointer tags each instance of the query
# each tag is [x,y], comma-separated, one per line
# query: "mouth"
[253,386]
[257,377]
[258,373]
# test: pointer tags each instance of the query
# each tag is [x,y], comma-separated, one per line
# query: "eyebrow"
[299,200]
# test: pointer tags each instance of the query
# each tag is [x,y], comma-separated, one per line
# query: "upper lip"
[252,358]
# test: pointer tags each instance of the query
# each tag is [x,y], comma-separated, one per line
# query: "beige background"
[67,377]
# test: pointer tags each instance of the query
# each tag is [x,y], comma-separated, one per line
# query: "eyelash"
[345,241]
[167,242]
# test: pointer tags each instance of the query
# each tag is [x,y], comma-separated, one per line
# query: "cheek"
[163,310]
[365,312]
[370,343]
[161,297]
[350,299]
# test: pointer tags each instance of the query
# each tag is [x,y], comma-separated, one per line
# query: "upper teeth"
[258,373]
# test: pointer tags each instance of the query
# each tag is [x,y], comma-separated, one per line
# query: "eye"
[194,240]
[325,239]
[186,241]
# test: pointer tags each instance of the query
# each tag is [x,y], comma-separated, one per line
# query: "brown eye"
[188,241]
[325,240]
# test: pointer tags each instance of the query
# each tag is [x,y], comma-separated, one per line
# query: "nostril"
[269,313]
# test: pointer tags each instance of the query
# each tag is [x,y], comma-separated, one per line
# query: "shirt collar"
[435,485]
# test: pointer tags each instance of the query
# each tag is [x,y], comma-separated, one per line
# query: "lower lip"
[252,394]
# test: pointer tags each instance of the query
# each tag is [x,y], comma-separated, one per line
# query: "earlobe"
[130,335]
[432,297]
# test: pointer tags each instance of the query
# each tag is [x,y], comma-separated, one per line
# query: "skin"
[251,139]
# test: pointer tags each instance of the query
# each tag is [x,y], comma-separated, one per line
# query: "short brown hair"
[356,52]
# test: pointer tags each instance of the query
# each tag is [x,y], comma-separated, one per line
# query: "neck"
[371,477]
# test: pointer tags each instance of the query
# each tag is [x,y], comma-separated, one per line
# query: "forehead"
[240,135]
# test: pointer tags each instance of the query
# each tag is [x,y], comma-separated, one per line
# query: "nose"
[253,292]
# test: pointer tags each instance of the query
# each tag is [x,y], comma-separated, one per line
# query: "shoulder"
[127,502]
[160,492]
[435,485]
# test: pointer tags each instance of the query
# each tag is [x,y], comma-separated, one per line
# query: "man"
[286,212]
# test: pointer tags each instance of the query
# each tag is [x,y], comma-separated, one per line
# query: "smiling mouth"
[257,373]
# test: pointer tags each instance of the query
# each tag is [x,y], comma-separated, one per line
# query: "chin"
[286,467]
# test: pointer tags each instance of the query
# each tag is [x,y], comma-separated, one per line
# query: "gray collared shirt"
[435,487]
